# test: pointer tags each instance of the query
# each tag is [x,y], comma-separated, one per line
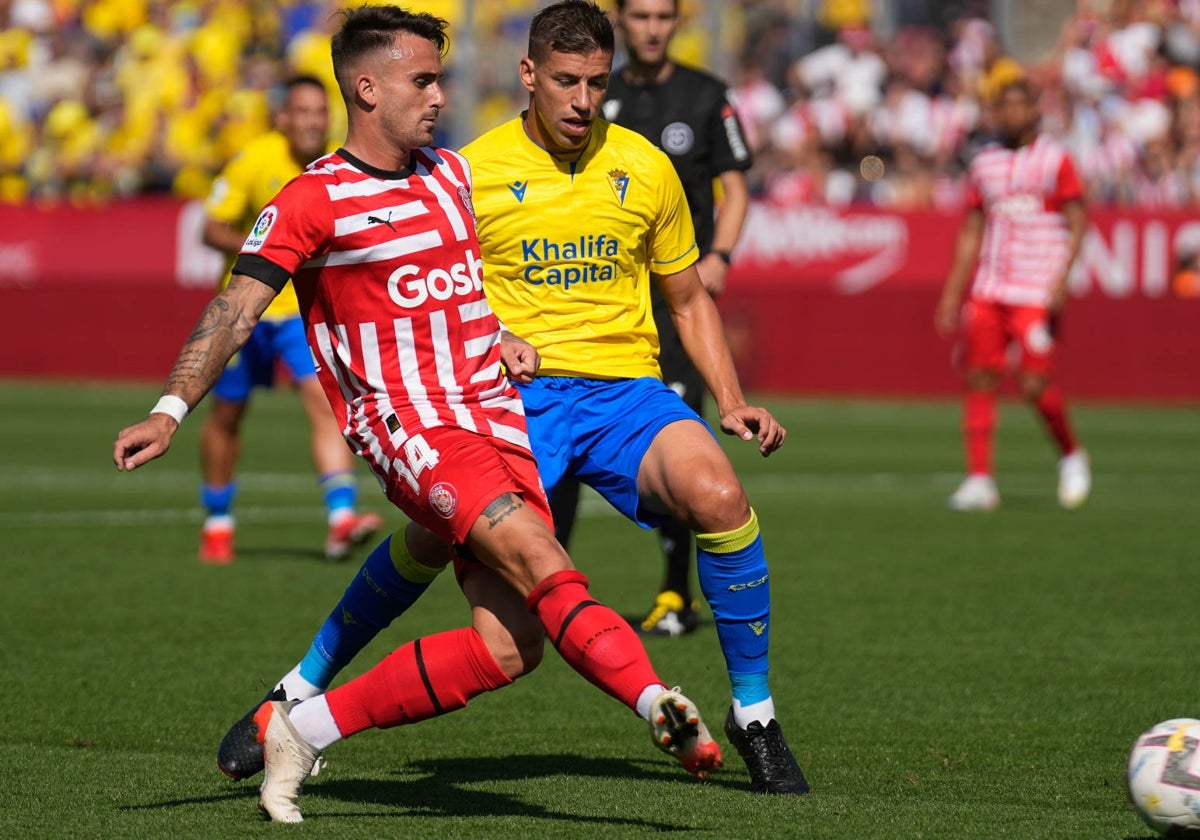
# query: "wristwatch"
[725,256]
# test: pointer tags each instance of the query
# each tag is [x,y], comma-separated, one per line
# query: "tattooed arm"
[224,327]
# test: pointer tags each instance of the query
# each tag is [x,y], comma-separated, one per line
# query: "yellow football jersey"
[244,187]
[568,247]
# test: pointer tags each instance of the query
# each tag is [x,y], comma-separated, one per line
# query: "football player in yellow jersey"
[576,218]
[243,188]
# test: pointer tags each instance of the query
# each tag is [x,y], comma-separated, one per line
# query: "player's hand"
[1058,299]
[945,318]
[712,271]
[520,358]
[751,421]
[144,442]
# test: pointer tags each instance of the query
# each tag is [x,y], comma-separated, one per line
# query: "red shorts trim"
[990,329]
[457,474]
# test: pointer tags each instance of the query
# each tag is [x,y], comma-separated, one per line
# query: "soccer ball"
[1164,777]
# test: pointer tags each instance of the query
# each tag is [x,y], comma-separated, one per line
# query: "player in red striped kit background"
[1024,227]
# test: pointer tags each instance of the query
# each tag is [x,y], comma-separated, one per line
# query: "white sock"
[646,698]
[298,688]
[763,711]
[315,722]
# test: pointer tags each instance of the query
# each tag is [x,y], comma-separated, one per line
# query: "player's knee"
[564,583]
[529,647]
[1031,386]
[225,417]
[720,505]
[540,557]
[981,379]
[518,650]
[425,546]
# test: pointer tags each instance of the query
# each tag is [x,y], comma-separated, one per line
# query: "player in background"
[1022,232]
[576,218]
[243,188]
[687,114]
[379,242]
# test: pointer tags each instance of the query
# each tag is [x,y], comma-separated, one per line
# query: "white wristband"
[171,405]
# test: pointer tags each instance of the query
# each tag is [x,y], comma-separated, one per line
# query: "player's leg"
[220,446]
[985,343]
[434,676]
[441,673]
[564,504]
[332,458]
[674,610]
[513,535]
[1038,347]
[391,579]
[687,475]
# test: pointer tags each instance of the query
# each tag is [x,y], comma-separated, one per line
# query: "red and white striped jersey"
[387,270]
[1025,238]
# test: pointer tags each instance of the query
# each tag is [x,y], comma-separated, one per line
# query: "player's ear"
[527,71]
[364,88]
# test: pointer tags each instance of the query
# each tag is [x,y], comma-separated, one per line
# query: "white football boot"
[288,761]
[1074,479]
[977,492]
[676,729]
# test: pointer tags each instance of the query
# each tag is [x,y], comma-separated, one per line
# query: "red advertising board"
[819,300]
[101,292]
[841,301]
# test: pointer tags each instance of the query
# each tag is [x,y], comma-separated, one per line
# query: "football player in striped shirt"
[379,241]
[1024,227]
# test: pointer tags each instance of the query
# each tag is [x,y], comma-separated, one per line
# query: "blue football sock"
[218,500]
[389,582]
[339,490]
[733,576]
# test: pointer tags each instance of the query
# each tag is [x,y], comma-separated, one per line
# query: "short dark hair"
[368,28]
[278,95]
[302,80]
[621,5]
[1023,85]
[577,27]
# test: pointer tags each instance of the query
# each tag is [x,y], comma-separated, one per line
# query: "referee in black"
[686,113]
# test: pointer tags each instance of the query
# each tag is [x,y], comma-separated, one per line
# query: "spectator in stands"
[174,90]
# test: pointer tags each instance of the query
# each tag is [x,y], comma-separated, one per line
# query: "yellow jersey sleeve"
[246,185]
[569,247]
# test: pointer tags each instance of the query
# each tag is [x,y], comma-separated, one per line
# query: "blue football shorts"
[599,430]
[254,364]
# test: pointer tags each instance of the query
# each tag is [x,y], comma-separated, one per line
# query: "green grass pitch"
[938,675]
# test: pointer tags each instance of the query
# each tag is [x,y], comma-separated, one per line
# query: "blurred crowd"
[1119,87]
[109,98]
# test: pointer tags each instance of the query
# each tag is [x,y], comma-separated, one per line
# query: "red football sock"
[591,637]
[424,678]
[979,427]
[1053,410]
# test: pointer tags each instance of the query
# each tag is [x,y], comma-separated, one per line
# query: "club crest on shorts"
[443,498]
